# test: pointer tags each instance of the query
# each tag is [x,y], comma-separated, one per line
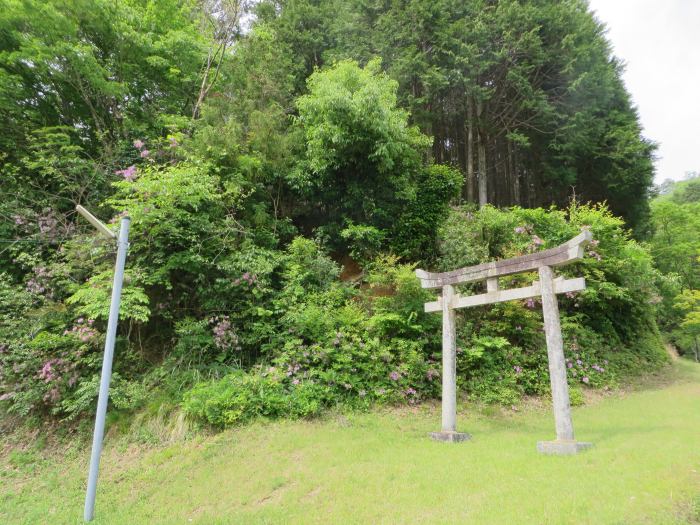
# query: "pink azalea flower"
[138,144]
[145,153]
[129,173]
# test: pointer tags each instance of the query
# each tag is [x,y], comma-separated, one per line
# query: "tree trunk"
[497,174]
[481,150]
[430,131]
[516,175]
[483,184]
[470,150]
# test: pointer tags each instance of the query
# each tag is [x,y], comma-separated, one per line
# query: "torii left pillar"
[449,371]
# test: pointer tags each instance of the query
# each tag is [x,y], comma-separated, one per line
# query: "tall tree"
[525,97]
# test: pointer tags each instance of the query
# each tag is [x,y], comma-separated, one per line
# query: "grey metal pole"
[122,245]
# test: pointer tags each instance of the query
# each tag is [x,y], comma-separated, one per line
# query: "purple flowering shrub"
[307,378]
[50,356]
[372,346]
[334,346]
[351,347]
[208,345]
[587,356]
[39,282]
[358,368]
[167,150]
[225,336]
[42,374]
[612,320]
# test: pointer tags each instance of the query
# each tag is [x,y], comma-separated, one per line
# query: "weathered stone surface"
[450,437]
[449,362]
[555,354]
[566,253]
[547,287]
[562,447]
[561,285]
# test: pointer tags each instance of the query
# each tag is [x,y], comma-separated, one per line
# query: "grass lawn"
[381,468]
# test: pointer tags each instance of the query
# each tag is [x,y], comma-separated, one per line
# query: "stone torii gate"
[547,287]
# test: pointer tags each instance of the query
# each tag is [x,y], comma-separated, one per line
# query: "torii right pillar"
[565,443]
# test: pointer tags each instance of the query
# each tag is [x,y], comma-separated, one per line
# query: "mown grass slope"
[381,468]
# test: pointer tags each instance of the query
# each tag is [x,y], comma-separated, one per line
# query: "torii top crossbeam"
[566,253]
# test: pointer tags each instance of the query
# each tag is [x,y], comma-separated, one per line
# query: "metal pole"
[122,245]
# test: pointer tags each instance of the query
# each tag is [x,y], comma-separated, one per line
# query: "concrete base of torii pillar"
[562,447]
[450,437]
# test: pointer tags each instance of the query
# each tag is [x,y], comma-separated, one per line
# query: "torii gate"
[547,288]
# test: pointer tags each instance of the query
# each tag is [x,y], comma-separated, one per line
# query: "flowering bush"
[333,347]
[83,330]
[225,336]
[608,328]
[376,345]
[245,329]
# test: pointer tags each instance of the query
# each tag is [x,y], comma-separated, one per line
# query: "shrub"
[236,398]
[335,347]
[364,242]
[609,328]
[275,333]
[240,397]
[414,233]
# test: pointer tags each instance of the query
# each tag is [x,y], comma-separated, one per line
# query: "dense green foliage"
[524,97]
[284,182]
[609,328]
[676,250]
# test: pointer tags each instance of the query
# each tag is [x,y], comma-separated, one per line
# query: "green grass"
[381,468]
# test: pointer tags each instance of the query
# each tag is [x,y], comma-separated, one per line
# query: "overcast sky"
[659,40]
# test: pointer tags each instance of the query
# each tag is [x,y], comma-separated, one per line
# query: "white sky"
[659,40]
